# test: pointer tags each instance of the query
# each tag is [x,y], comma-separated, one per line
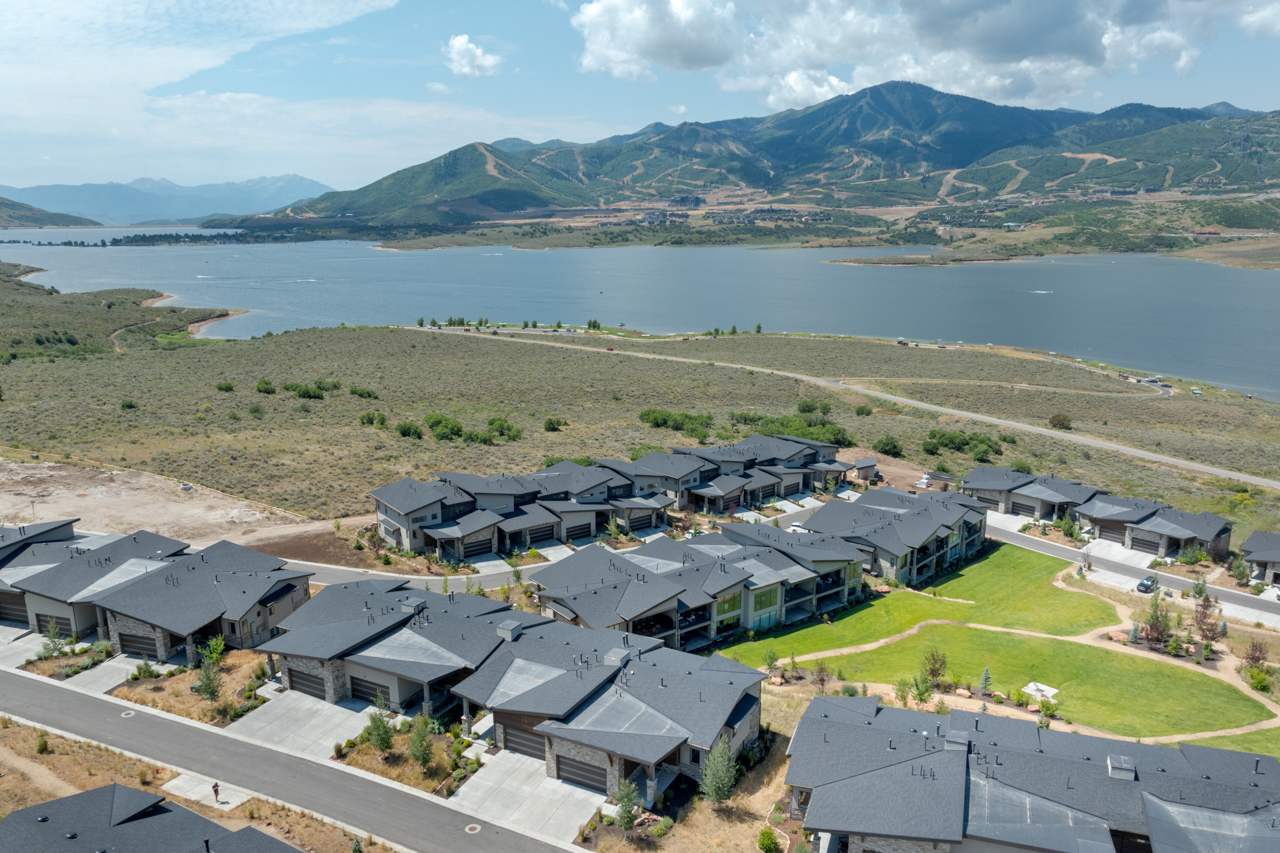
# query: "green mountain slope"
[1123,121]
[14,214]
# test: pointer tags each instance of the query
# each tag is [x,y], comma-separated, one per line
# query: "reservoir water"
[1167,315]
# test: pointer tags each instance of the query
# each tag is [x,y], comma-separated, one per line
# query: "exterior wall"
[395,686]
[118,624]
[83,617]
[576,519]
[1133,533]
[878,844]
[585,754]
[747,730]
[500,504]
[334,673]
[1001,497]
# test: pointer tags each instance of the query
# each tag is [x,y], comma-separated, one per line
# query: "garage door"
[579,773]
[768,491]
[642,522]
[136,644]
[13,608]
[1111,534]
[64,625]
[368,690]
[1023,509]
[578,531]
[791,489]
[312,685]
[1145,545]
[524,742]
[471,549]
[543,533]
[988,501]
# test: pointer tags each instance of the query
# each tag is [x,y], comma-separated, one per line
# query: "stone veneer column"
[191,650]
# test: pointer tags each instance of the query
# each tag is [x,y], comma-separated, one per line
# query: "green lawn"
[1119,693]
[1011,588]
[1263,741]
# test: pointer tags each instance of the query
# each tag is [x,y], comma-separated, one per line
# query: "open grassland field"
[840,358]
[1263,741]
[1261,254]
[1124,694]
[37,322]
[314,457]
[1010,588]
[1219,428]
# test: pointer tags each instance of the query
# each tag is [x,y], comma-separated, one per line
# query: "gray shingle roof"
[118,818]
[472,522]
[654,502]
[568,476]
[527,516]
[1056,490]
[1014,771]
[69,578]
[499,484]
[14,539]
[407,495]
[1184,525]
[1261,542]
[991,478]
[1112,508]
[675,465]
[722,486]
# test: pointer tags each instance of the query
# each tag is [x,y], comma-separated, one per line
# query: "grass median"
[1124,694]
[1009,588]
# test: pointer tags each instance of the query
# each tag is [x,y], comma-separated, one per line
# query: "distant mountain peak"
[1222,108]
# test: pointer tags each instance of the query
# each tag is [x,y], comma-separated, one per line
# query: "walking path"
[846,385]
[1222,667]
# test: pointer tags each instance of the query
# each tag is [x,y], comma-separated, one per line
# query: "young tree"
[770,659]
[795,667]
[719,772]
[357,847]
[53,642]
[625,795]
[420,745]
[984,683]
[922,690]
[1156,628]
[821,675]
[1134,634]
[210,686]
[902,692]
[378,728]
[216,649]
[934,664]
[1255,655]
[1206,621]
[1240,571]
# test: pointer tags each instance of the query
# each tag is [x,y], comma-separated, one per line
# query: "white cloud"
[797,52]
[678,109]
[439,89]
[469,60]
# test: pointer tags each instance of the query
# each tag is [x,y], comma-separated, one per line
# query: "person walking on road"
[215,794]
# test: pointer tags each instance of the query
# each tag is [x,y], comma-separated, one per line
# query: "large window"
[766,621]
[765,599]
[730,624]
[729,604]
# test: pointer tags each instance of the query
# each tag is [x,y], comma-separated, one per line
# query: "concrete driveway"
[295,721]
[516,789]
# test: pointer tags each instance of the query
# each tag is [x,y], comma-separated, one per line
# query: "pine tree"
[625,795]
[1134,633]
[719,772]
[984,683]
[420,745]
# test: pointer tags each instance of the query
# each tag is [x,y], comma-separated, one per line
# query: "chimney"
[1121,767]
[510,630]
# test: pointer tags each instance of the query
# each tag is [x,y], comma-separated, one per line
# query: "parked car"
[610,349]
[1147,584]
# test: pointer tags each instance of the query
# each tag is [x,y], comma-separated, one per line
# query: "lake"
[1167,315]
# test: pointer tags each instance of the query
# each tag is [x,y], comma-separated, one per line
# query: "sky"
[346,91]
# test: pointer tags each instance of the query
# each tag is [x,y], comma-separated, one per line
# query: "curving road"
[844,385]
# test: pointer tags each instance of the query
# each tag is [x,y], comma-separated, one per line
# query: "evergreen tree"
[984,683]
[210,686]
[625,794]
[719,772]
[420,745]
[1134,633]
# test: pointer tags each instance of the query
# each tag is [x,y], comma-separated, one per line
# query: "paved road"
[1177,583]
[397,816]
[841,384]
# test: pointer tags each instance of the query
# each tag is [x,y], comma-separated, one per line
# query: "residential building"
[910,537]
[225,590]
[869,778]
[127,820]
[1262,552]
[1012,492]
[358,640]
[14,540]
[404,508]
[1155,528]
[60,581]
[668,475]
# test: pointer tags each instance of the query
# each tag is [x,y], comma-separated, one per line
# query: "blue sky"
[345,91]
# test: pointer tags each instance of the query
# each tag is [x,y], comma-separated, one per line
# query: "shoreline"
[196,328]
[156,300]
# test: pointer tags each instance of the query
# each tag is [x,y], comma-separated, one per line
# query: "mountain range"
[14,214]
[146,200]
[895,143]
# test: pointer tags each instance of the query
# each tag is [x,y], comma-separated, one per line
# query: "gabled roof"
[722,486]
[1112,508]
[995,479]
[118,818]
[767,447]
[568,476]
[499,484]
[407,495]
[1260,541]
[652,502]
[674,465]
[1056,490]
[14,539]
[808,442]
[223,580]
[67,579]
[472,522]
[1184,525]
[527,516]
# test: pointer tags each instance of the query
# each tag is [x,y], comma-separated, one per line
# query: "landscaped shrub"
[42,746]
[225,386]
[768,841]
[408,429]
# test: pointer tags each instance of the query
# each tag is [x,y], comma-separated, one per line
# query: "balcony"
[797,593]
[694,618]
[657,625]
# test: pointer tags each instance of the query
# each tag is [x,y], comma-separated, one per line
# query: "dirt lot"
[898,473]
[123,501]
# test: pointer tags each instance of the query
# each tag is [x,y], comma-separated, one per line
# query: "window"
[766,621]
[730,624]
[275,632]
[729,604]
[271,611]
[695,756]
[231,628]
[418,519]
[765,599]
[433,516]
[259,613]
